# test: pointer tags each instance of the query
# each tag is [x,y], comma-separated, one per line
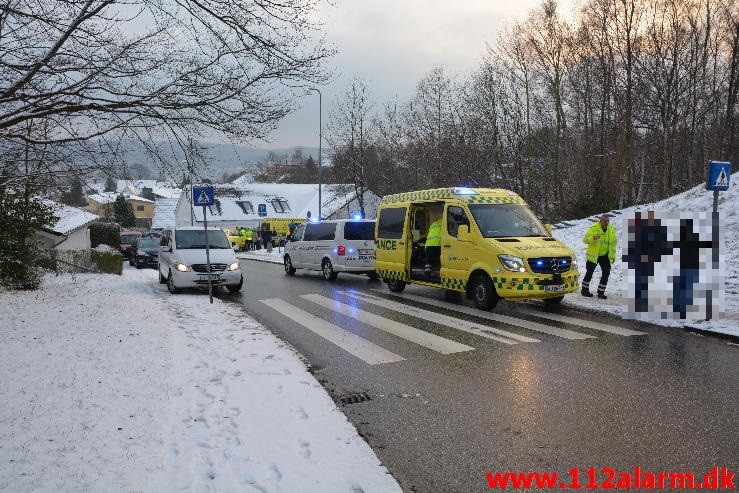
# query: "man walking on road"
[601,241]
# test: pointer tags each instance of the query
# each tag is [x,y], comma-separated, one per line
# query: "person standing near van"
[601,241]
[249,239]
[433,241]
[267,239]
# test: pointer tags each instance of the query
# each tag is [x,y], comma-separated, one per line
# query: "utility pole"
[320,140]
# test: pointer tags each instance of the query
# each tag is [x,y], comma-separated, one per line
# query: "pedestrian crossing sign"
[203,196]
[719,174]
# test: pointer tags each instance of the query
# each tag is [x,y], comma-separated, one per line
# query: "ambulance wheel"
[289,269]
[395,286]
[553,301]
[483,292]
[327,269]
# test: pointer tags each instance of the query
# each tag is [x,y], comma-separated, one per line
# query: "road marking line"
[361,348]
[535,326]
[426,339]
[455,323]
[583,323]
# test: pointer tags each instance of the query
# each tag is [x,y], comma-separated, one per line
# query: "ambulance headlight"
[512,263]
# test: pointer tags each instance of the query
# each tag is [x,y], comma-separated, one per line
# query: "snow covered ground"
[110,384]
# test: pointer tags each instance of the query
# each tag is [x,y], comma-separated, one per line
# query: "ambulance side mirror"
[463,233]
[548,228]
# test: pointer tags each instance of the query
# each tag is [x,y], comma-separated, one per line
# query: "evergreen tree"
[110,185]
[75,197]
[124,212]
[20,215]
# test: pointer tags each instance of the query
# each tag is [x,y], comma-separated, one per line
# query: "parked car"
[144,252]
[183,262]
[333,246]
[127,239]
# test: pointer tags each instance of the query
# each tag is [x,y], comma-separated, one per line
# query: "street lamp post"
[320,139]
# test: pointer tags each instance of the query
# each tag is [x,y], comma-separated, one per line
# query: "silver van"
[183,262]
[333,246]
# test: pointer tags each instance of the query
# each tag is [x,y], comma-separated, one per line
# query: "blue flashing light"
[539,262]
[314,219]
[358,216]
[351,250]
[463,191]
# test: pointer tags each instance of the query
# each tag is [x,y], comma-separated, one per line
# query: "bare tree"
[79,78]
[348,135]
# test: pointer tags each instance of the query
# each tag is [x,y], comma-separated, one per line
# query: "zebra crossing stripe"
[361,348]
[455,323]
[526,324]
[583,323]
[426,339]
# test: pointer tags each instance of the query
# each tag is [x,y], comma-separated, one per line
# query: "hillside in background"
[219,158]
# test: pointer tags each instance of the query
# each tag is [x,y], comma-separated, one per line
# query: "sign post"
[719,175]
[204,196]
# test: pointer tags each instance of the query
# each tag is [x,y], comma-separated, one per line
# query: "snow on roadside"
[111,384]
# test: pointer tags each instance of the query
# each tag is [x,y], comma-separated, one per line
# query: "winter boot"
[586,293]
[601,296]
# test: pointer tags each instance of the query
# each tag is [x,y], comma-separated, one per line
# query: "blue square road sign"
[262,210]
[719,174]
[203,196]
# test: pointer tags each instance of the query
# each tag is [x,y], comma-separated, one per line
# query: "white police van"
[333,246]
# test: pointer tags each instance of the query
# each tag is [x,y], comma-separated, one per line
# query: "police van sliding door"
[391,259]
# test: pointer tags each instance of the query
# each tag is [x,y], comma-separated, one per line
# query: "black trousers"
[433,256]
[605,268]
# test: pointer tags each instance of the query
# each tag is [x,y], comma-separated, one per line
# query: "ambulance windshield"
[506,220]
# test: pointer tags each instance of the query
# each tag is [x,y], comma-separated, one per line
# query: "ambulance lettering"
[387,244]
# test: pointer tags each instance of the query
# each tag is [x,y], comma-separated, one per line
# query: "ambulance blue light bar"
[463,191]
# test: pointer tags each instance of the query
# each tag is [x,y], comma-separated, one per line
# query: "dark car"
[127,239]
[145,252]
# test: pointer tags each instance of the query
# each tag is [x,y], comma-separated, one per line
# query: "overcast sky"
[392,44]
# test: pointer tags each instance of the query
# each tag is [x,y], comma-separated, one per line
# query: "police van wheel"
[395,286]
[553,301]
[327,269]
[289,269]
[483,292]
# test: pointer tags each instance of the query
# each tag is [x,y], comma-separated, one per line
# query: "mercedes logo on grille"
[554,264]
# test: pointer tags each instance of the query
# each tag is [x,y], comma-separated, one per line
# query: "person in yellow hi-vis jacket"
[601,241]
[433,241]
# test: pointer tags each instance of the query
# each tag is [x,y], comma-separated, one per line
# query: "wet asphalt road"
[663,401]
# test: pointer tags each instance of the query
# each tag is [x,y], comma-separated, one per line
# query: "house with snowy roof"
[69,232]
[247,204]
[102,204]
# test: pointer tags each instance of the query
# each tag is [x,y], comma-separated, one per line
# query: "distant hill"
[221,158]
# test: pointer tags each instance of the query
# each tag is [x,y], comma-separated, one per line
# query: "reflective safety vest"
[433,238]
[248,235]
[605,245]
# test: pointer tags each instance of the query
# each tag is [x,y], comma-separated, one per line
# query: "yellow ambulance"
[491,246]
[280,225]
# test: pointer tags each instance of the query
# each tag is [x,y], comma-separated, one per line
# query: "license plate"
[554,288]
[366,252]
[213,277]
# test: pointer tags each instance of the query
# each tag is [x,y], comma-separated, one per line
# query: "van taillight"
[341,250]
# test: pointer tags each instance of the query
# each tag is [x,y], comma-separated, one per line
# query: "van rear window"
[359,231]
[391,222]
